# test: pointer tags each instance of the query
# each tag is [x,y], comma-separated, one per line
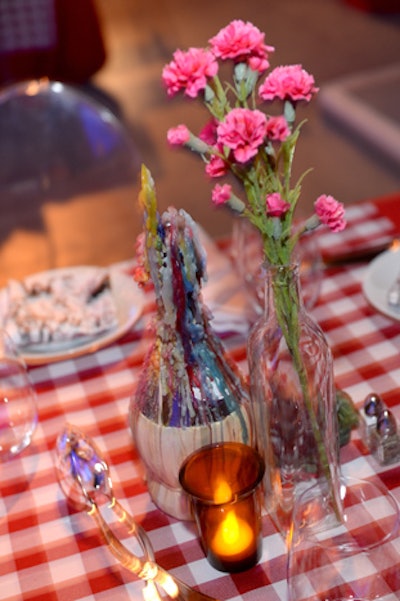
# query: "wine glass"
[352,556]
[18,414]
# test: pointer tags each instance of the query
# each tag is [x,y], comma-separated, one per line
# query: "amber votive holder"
[223,483]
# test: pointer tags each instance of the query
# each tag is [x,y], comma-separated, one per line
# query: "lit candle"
[233,537]
[223,481]
[223,492]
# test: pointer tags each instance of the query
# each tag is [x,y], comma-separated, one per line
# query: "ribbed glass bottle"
[292,396]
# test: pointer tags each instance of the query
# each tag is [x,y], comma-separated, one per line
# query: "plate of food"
[67,312]
[381,275]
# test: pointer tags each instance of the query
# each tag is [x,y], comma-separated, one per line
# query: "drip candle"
[222,481]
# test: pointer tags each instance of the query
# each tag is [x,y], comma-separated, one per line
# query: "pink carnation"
[277,128]
[178,136]
[242,42]
[243,131]
[221,194]
[291,82]
[209,132]
[216,167]
[276,205]
[330,212]
[189,71]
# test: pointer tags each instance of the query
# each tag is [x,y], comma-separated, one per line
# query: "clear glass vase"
[247,255]
[292,396]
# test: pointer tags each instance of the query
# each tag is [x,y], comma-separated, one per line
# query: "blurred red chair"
[58,39]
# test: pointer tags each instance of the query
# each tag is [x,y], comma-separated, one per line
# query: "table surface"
[49,552]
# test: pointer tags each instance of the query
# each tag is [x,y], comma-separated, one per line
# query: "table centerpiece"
[290,363]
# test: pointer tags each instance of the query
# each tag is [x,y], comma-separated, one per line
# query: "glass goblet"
[18,414]
[350,557]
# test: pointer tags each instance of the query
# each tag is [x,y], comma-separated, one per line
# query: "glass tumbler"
[353,556]
[18,414]
[223,482]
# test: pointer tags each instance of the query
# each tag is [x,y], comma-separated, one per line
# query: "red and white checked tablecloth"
[48,552]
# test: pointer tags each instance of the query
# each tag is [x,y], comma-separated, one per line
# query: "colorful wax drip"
[187,379]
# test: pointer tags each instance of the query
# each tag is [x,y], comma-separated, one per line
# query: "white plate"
[129,301]
[380,276]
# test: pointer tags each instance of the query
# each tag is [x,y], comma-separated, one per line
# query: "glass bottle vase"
[189,393]
[184,401]
[247,254]
[292,397]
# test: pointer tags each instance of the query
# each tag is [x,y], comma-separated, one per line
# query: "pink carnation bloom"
[216,167]
[178,136]
[277,128]
[189,71]
[242,42]
[276,205]
[243,131]
[221,194]
[291,82]
[330,212]
[209,132]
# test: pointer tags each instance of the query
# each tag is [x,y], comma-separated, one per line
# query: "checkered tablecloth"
[49,552]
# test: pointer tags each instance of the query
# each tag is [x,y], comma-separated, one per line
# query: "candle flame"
[223,493]
[230,528]
[233,536]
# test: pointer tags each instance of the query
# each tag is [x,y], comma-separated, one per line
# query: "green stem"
[287,310]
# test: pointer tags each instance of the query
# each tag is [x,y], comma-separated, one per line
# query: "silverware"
[85,480]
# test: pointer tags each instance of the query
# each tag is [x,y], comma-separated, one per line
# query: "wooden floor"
[330,39]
